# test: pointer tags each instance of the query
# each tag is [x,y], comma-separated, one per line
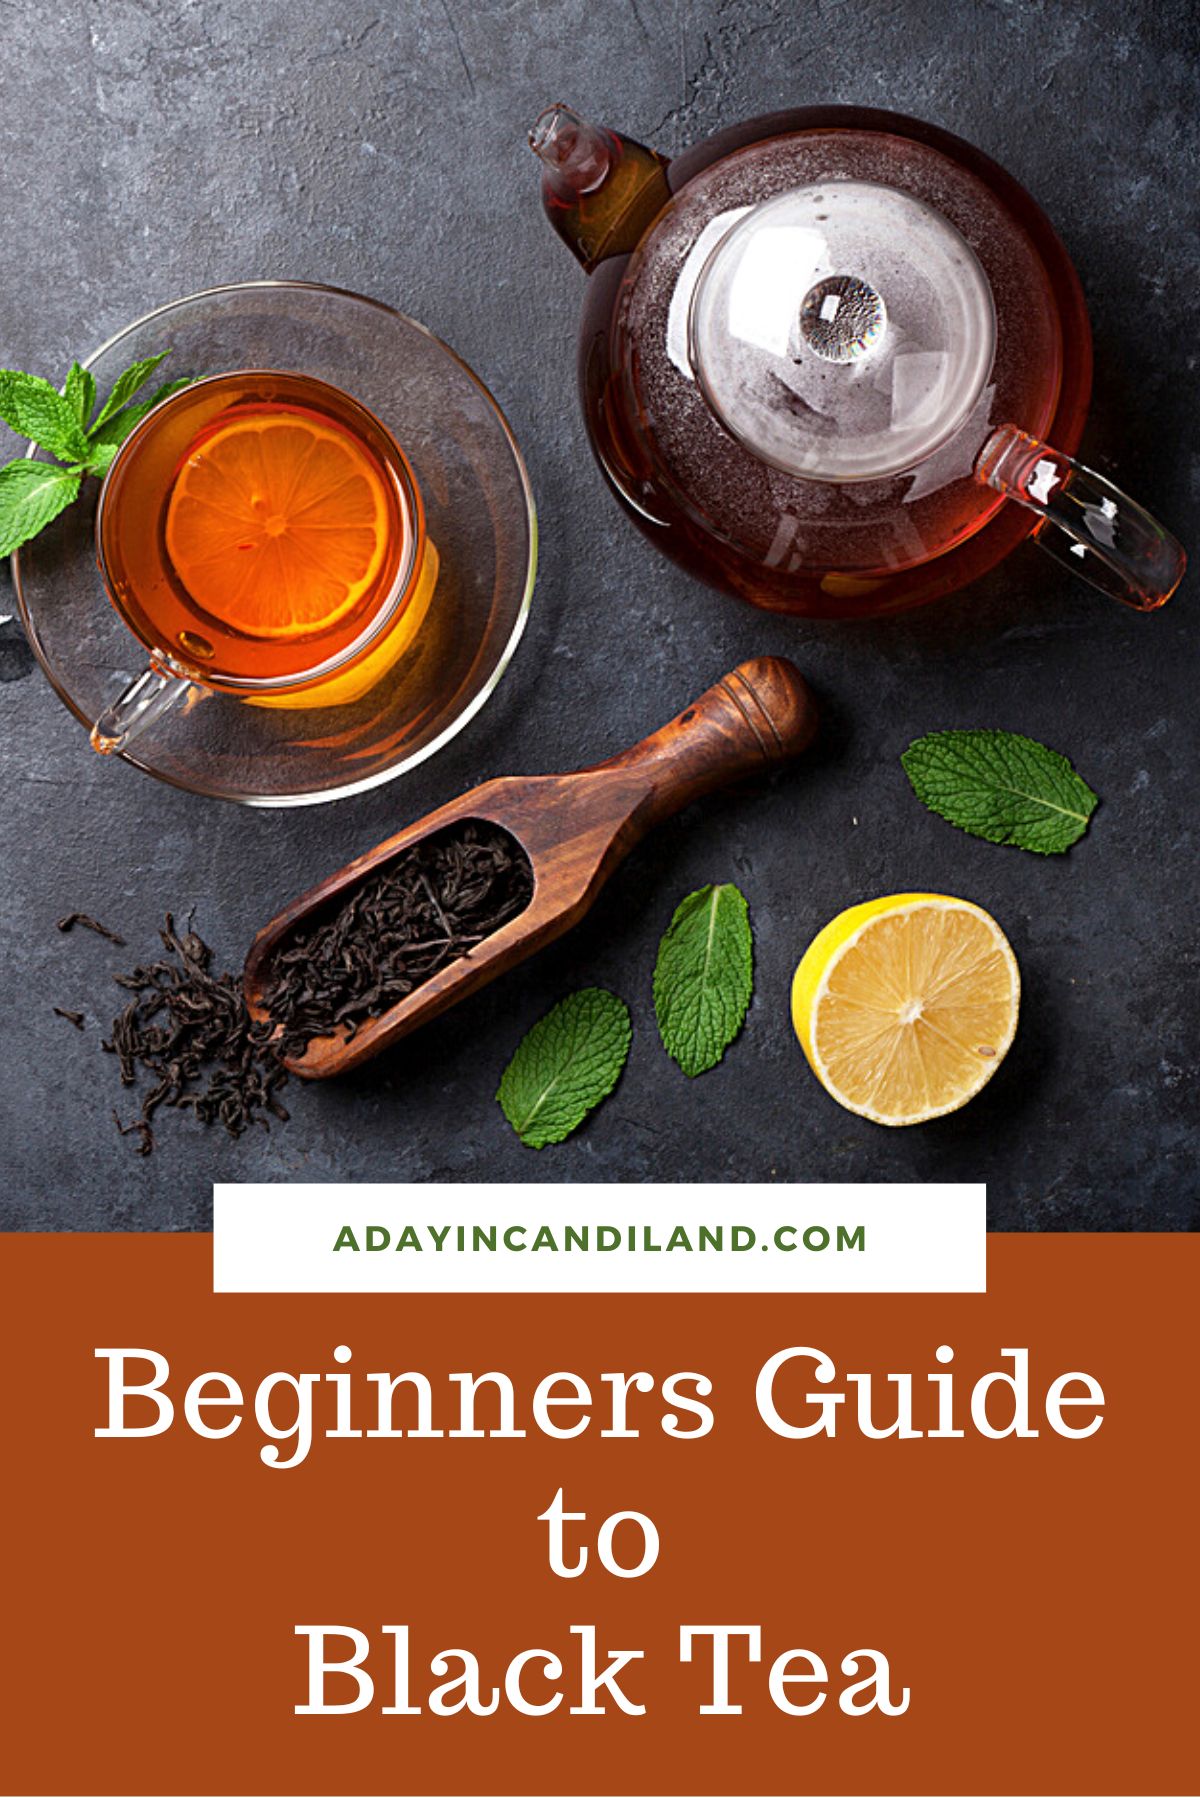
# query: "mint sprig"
[564,1066]
[79,392]
[31,492]
[38,411]
[704,977]
[1001,786]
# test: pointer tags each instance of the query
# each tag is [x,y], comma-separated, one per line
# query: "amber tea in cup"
[260,533]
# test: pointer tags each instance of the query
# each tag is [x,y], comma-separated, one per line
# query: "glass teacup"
[263,536]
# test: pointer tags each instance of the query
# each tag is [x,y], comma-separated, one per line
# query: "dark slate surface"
[150,150]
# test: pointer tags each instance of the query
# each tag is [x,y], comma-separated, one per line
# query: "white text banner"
[598,1237]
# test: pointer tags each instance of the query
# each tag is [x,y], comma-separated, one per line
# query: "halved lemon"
[278,525]
[905,1006]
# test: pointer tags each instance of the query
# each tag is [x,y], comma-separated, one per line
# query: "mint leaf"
[38,411]
[105,437]
[31,494]
[704,977]
[79,392]
[163,393]
[100,458]
[1001,786]
[126,386]
[564,1066]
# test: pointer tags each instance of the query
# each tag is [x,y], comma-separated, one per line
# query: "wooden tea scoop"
[575,829]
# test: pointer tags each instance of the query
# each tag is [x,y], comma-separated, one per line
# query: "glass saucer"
[481,522]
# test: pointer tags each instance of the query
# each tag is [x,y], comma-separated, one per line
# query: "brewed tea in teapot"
[821,351]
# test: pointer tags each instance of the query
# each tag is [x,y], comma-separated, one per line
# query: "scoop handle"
[760,715]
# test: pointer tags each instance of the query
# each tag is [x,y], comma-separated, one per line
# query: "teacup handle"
[143,703]
[1090,525]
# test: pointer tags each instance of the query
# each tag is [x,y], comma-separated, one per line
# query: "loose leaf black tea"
[190,1030]
[89,924]
[73,1018]
[139,1128]
[396,930]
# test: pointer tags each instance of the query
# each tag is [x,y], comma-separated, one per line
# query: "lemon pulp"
[905,1006]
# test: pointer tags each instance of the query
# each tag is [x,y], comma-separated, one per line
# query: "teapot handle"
[1087,524]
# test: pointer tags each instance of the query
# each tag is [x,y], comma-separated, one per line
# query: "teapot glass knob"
[1087,524]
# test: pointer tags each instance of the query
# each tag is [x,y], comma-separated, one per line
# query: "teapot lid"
[842,331]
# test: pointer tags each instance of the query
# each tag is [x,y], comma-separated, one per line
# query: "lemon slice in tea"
[277,525]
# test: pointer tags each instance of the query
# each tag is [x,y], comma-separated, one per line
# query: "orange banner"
[1034,1596]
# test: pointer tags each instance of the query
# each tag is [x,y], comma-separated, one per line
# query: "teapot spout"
[600,190]
[576,157]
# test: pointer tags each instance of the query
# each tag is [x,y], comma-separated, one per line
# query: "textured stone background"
[153,149]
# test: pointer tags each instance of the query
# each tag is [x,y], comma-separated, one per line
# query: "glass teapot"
[821,350]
